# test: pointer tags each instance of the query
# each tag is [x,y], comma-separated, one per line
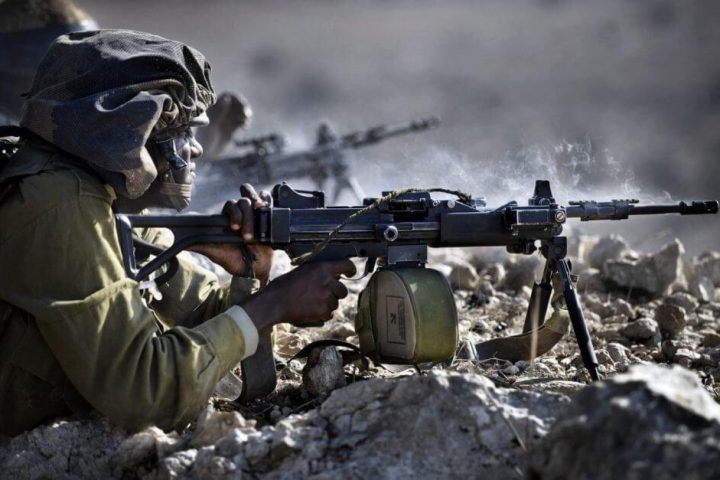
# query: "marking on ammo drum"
[395,319]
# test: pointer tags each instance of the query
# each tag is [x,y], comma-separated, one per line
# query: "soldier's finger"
[332,305]
[247,218]
[267,198]
[342,267]
[248,191]
[338,289]
[234,213]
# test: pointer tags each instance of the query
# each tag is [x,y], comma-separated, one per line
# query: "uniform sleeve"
[194,294]
[64,268]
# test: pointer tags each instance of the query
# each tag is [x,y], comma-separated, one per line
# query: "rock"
[671,319]
[522,365]
[708,265]
[711,339]
[446,270]
[622,307]
[685,357]
[213,425]
[604,357]
[387,429]
[63,449]
[323,371]
[651,422]
[449,256]
[591,280]
[485,288]
[612,247]
[543,368]
[703,288]
[640,330]
[209,465]
[545,385]
[341,330]
[668,349]
[177,465]
[232,443]
[145,446]
[463,276]
[618,353]
[370,424]
[275,414]
[593,304]
[653,274]
[584,245]
[496,272]
[525,292]
[684,300]
[522,272]
[480,326]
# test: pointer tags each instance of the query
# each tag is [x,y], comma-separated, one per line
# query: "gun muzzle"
[703,207]
[699,208]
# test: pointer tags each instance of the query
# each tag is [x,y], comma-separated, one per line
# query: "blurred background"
[610,99]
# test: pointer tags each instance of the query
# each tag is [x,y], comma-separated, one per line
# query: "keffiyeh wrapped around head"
[99,95]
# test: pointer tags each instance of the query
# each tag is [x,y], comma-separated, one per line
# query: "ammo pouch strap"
[258,370]
[533,342]
[259,375]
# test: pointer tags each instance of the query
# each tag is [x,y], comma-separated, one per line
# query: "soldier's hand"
[231,257]
[305,296]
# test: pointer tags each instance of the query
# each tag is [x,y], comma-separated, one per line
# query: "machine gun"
[394,233]
[267,160]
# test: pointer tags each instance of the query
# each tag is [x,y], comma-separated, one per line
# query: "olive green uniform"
[77,334]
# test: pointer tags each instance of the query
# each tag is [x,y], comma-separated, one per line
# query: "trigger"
[369,268]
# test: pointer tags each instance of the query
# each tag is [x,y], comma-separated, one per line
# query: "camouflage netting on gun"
[99,96]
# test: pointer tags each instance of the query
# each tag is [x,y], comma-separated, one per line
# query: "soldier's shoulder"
[44,173]
[65,183]
[53,195]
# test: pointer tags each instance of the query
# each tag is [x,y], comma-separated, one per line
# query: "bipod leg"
[587,351]
[539,299]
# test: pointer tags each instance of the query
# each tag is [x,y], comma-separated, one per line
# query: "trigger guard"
[369,268]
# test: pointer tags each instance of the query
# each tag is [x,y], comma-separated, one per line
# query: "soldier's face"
[175,155]
[187,147]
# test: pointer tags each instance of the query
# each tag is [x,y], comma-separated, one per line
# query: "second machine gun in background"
[267,161]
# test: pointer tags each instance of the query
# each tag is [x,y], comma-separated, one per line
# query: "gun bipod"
[554,251]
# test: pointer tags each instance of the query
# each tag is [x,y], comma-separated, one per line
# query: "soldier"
[27,27]
[109,116]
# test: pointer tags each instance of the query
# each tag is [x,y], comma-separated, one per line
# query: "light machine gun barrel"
[622,209]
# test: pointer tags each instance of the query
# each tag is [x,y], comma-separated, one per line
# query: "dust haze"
[606,99]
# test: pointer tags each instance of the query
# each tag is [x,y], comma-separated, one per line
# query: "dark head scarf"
[100,95]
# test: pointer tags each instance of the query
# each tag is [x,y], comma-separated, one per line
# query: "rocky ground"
[654,322]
